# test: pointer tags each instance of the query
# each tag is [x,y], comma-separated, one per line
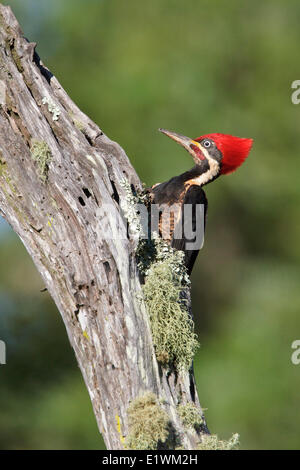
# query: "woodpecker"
[214,155]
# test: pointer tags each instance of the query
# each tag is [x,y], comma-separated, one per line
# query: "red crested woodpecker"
[214,155]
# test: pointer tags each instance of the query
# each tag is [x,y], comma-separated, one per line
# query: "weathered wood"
[56,169]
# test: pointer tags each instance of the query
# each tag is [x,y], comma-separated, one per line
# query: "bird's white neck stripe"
[212,172]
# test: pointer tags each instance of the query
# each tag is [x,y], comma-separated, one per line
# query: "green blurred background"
[193,67]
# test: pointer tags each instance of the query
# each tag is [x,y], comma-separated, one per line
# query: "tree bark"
[56,169]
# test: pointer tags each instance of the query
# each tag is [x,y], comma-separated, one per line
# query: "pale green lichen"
[130,210]
[165,293]
[52,108]
[158,250]
[212,442]
[4,173]
[148,424]
[190,416]
[78,124]
[41,154]
[54,203]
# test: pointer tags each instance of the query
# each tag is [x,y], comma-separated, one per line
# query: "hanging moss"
[212,442]
[165,293]
[41,154]
[148,424]
[190,416]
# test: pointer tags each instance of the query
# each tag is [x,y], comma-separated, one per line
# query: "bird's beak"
[192,146]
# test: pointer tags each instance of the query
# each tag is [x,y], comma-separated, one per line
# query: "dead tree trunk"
[56,169]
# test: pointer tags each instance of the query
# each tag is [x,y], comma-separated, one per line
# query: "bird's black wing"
[189,223]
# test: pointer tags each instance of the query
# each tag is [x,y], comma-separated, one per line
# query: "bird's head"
[214,154]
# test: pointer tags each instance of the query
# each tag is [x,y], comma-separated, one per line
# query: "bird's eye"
[207,143]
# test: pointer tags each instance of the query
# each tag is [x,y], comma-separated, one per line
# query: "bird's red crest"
[235,150]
